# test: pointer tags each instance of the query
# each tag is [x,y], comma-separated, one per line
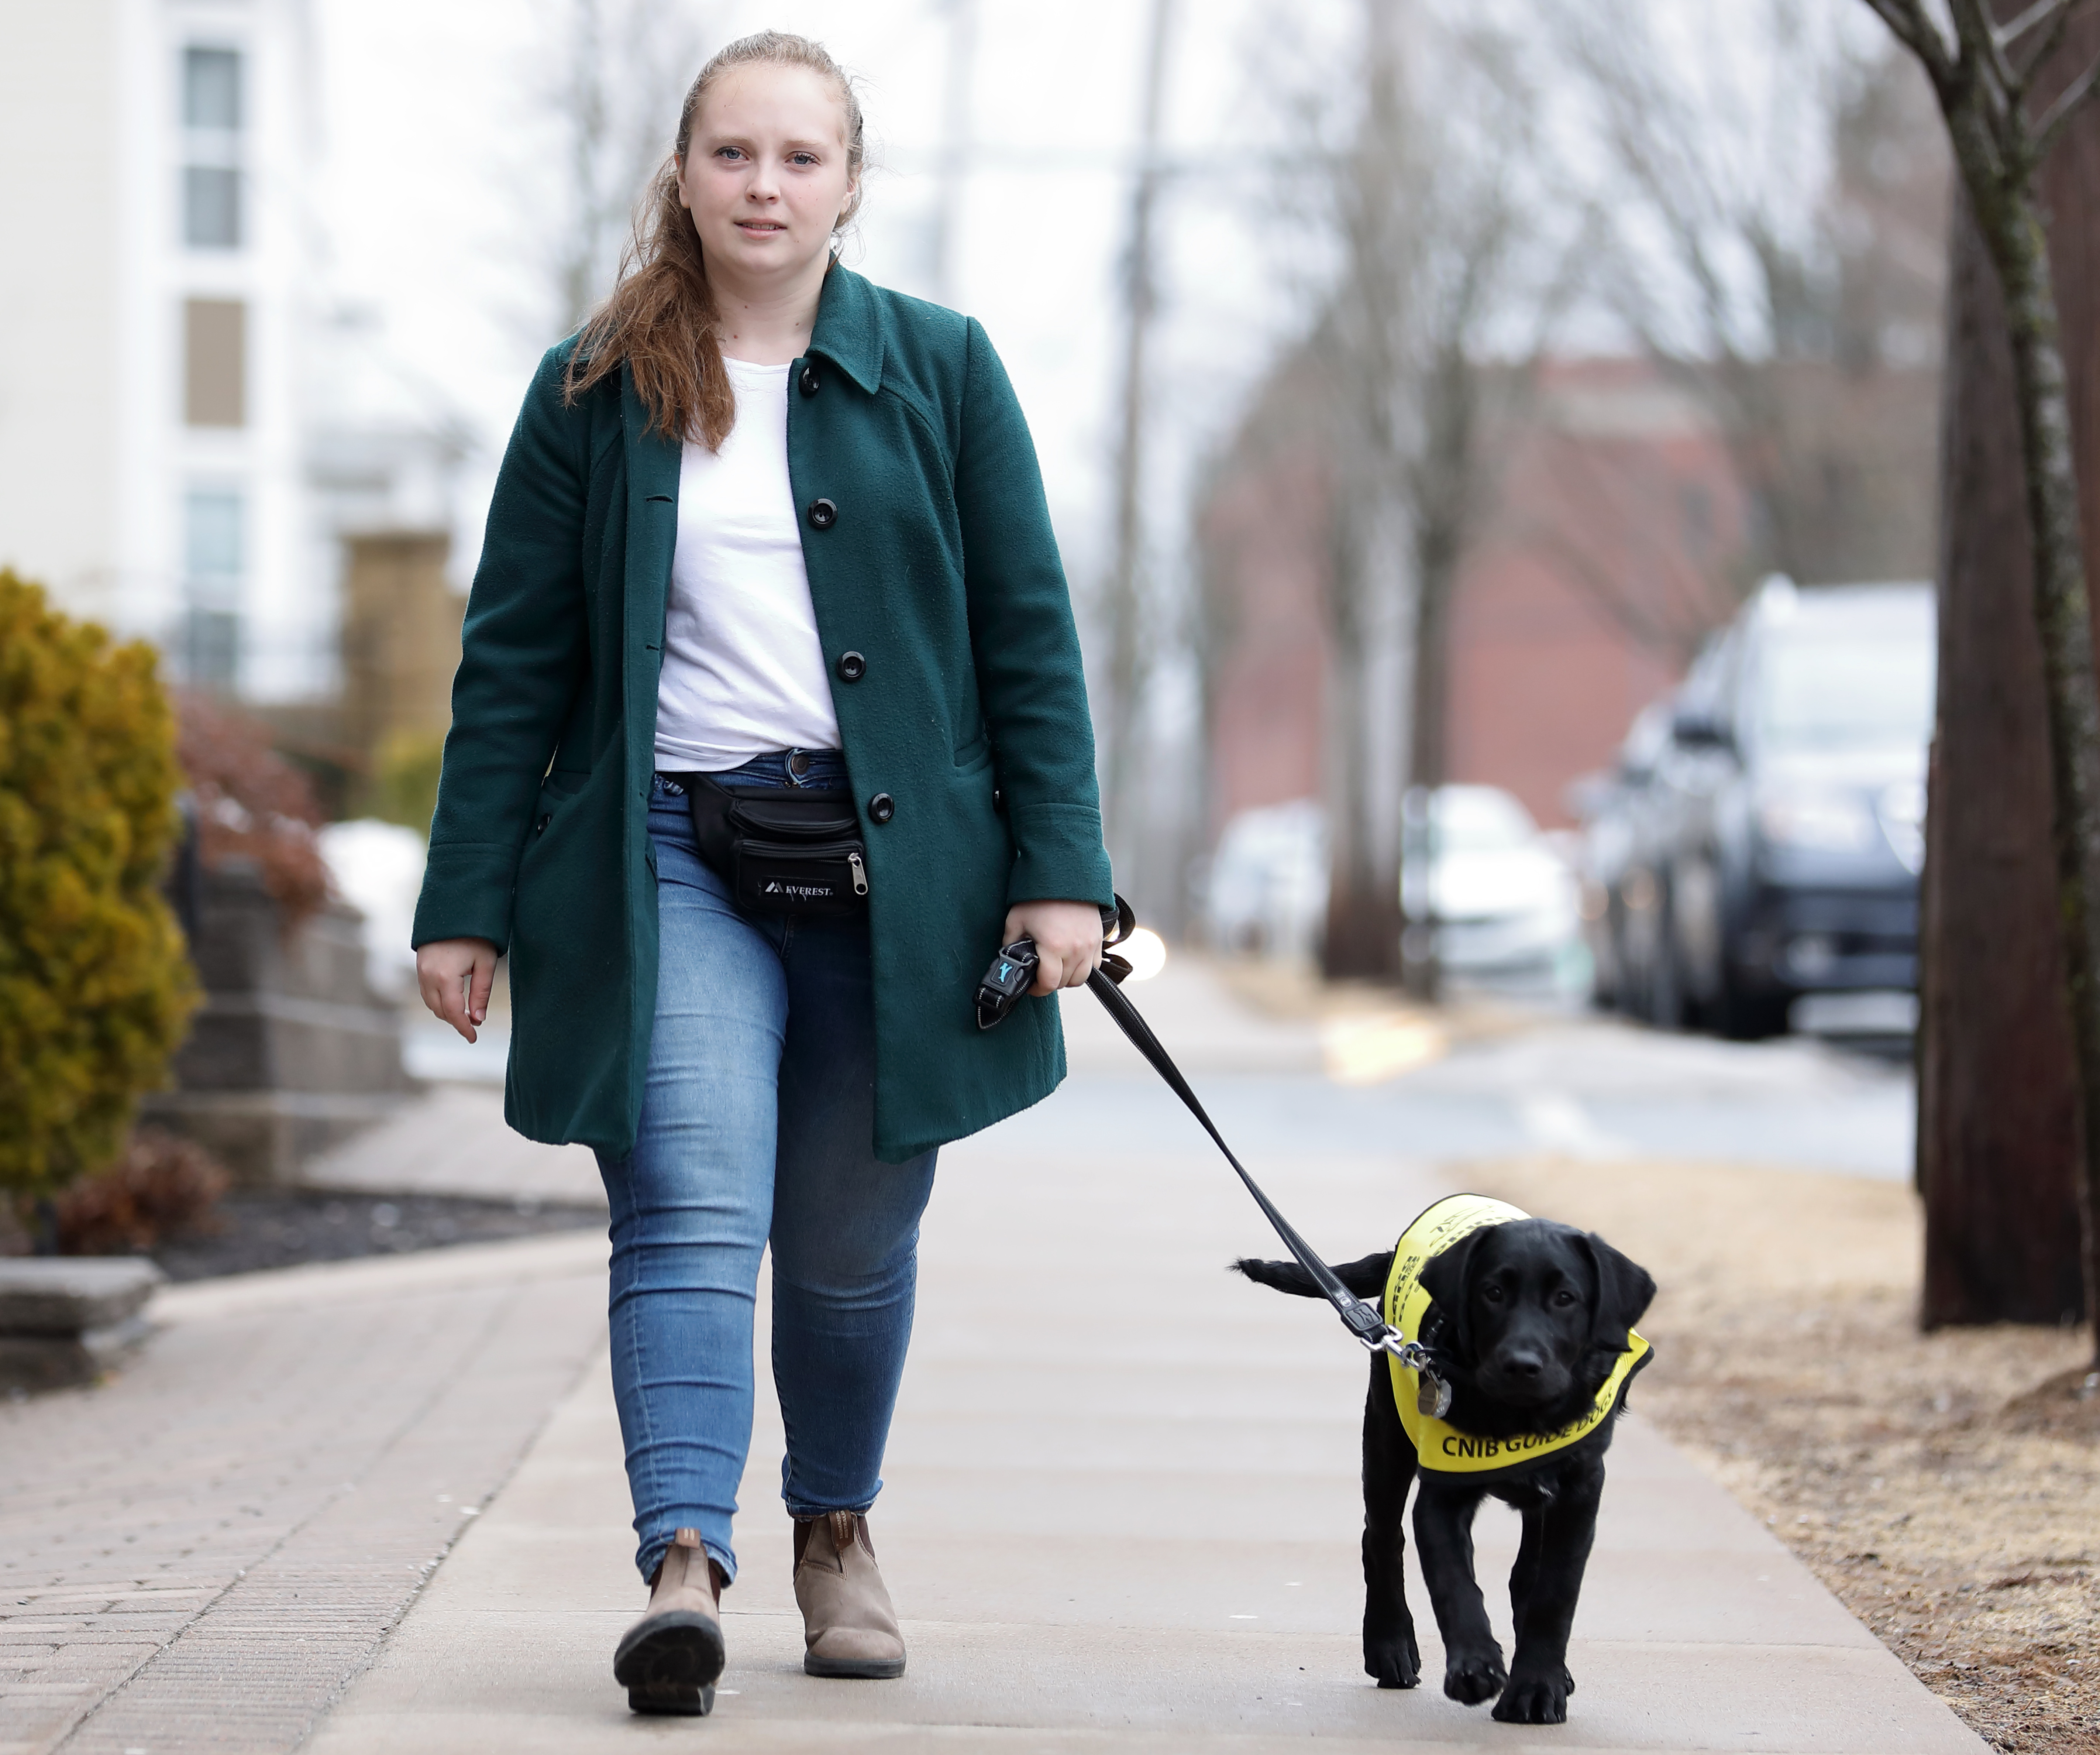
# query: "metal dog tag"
[1433,1396]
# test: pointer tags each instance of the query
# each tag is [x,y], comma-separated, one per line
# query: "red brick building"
[1613,518]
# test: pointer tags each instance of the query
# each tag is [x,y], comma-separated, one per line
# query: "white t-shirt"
[743,669]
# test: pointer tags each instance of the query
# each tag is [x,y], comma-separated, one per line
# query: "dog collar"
[1439,1444]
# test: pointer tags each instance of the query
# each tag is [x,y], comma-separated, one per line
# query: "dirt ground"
[1945,1486]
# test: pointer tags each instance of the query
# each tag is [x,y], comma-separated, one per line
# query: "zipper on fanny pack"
[798,852]
[753,829]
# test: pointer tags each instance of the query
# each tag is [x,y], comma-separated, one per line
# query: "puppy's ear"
[1624,1292]
[1447,1276]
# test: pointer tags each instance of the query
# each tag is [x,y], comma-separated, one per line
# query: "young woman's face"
[764,176]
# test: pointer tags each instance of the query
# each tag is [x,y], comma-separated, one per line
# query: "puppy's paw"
[1393,1659]
[1472,1677]
[1535,1699]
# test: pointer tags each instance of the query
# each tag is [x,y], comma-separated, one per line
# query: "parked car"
[1772,852]
[1615,807]
[1266,893]
[1504,902]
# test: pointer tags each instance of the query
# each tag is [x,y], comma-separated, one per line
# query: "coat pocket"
[556,790]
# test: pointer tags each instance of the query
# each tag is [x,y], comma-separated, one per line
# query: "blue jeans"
[757,1125]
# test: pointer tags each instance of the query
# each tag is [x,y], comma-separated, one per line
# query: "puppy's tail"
[1366,1278]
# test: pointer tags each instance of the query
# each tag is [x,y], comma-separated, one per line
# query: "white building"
[156,277]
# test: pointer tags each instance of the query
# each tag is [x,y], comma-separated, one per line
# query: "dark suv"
[1780,827]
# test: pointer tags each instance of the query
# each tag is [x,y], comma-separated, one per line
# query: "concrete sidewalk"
[1123,1512]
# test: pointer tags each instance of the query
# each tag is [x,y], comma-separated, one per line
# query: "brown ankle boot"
[847,1625]
[670,1659]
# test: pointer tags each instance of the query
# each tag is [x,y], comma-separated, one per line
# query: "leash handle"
[1362,1320]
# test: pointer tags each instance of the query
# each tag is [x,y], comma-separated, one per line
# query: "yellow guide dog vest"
[1443,1446]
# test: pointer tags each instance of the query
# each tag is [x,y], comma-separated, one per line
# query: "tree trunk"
[1362,938]
[1422,972]
[1998,1136]
[1448,487]
[2010,1172]
[1128,632]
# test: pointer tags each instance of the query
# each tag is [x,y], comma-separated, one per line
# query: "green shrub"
[95,983]
[404,779]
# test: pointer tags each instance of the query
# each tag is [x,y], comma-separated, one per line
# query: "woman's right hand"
[455,975]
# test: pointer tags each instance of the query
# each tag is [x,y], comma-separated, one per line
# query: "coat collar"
[848,333]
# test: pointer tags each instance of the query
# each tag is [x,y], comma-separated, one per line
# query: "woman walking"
[768,729]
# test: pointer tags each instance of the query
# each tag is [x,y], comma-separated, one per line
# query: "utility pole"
[1128,662]
[955,139]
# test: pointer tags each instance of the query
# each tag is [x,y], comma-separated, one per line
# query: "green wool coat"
[934,561]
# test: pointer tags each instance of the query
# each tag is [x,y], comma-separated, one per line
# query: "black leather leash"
[1008,978]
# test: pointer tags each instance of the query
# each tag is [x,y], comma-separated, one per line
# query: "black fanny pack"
[781,851]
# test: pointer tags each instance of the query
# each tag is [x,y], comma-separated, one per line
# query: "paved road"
[1121,1508]
[1581,1085]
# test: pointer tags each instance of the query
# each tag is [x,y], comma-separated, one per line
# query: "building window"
[213,545]
[211,122]
[211,207]
[211,90]
[214,362]
[211,650]
[214,565]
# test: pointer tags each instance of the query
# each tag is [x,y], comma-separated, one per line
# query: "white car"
[1504,902]
[1267,893]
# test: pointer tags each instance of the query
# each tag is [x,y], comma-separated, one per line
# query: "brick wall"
[1605,555]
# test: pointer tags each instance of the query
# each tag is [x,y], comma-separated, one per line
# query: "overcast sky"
[437,175]
[433,166]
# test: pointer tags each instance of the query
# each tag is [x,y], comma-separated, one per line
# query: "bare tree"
[616,72]
[1427,197]
[2008,98]
[958,83]
[1997,1080]
[1782,257]
[1126,595]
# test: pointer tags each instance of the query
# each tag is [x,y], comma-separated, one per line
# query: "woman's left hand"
[1068,941]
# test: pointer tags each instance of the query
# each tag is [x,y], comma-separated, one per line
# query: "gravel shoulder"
[1952,1507]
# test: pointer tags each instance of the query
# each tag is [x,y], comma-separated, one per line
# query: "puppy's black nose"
[1526,1368]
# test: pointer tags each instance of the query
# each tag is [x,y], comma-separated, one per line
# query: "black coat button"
[852,667]
[881,807]
[539,827]
[822,514]
[809,382]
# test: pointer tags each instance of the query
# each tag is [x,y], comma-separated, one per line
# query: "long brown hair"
[661,319]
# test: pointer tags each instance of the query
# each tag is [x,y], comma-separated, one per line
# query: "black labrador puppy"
[1528,1323]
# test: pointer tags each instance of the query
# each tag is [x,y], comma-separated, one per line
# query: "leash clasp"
[1412,1354]
[1433,1392]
